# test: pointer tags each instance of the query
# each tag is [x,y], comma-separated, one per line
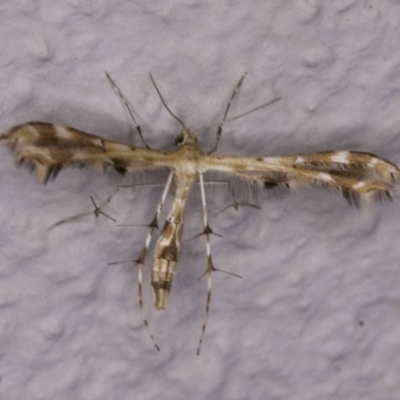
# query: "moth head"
[186,137]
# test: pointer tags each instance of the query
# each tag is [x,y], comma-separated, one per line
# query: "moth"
[48,148]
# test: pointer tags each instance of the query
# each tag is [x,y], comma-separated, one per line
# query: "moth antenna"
[228,106]
[165,104]
[126,104]
[141,259]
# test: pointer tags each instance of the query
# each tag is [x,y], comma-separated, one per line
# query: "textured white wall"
[317,315]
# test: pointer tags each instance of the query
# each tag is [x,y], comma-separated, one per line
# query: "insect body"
[48,149]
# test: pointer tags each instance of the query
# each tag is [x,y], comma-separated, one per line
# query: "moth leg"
[236,204]
[210,266]
[126,104]
[228,106]
[97,211]
[141,259]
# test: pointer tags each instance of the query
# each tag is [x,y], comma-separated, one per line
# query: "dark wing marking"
[48,148]
[355,175]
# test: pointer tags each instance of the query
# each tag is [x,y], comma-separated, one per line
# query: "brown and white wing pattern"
[48,148]
[356,175]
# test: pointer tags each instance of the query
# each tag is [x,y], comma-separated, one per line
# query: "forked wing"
[356,175]
[48,148]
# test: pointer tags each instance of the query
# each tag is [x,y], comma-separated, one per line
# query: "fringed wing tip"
[43,173]
[356,195]
[358,200]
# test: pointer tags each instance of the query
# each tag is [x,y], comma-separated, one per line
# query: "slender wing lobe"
[48,148]
[355,175]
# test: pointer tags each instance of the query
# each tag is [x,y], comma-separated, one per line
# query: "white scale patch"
[63,132]
[325,176]
[373,162]
[359,185]
[341,157]
[35,133]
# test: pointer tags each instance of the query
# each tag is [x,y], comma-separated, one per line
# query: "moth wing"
[355,175]
[48,148]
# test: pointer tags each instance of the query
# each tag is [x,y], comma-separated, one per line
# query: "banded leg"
[210,266]
[140,261]
[207,231]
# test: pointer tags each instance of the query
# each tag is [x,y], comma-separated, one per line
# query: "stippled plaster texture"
[317,313]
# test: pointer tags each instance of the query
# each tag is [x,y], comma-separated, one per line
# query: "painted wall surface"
[317,313]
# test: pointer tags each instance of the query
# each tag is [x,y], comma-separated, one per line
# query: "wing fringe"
[46,149]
